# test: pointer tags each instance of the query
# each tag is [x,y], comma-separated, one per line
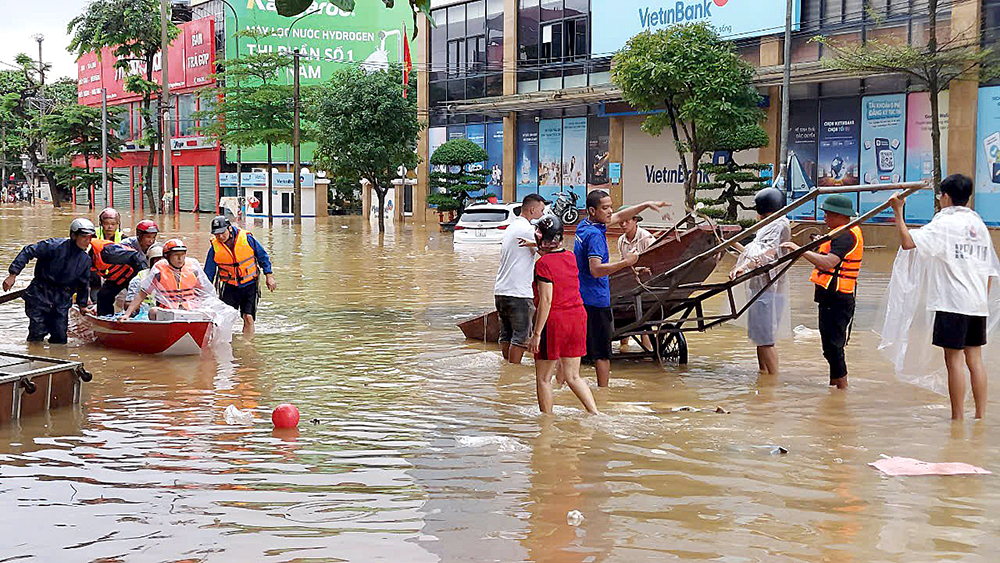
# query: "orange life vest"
[116,273]
[236,266]
[178,287]
[843,278]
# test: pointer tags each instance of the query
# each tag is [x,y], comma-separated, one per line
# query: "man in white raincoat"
[769,316]
[942,275]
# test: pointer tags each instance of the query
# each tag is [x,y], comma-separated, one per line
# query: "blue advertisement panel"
[919,153]
[476,132]
[456,132]
[598,146]
[883,136]
[615,22]
[574,158]
[837,157]
[549,158]
[494,148]
[988,156]
[803,115]
[527,158]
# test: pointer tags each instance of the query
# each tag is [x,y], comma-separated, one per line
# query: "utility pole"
[41,95]
[167,182]
[297,163]
[786,84]
[104,142]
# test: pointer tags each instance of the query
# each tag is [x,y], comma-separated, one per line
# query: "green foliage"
[75,131]
[344,196]
[704,88]
[291,8]
[457,171]
[364,127]
[731,177]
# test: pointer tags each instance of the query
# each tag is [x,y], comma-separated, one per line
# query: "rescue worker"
[145,237]
[838,264]
[177,282]
[109,223]
[153,255]
[116,264]
[234,263]
[62,269]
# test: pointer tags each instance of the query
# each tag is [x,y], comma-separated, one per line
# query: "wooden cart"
[33,384]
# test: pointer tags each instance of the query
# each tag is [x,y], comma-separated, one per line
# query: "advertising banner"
[494,148]
[476,133]
[803,117]
[988,156]
[549,157]
[615,22]
[883,134]
[199,52]
[436,136]
[920,155]
[598,140]
[88,79]
[527,158]
[574,158]
[839,131]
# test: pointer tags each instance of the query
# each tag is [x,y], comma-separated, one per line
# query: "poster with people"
[494,162]
[549,158]
[598,146]
[803,116]
[883,137]
[436,136]
[527,158]
[920,154]
[988,156]
[837,155]
[476,132]
[574,158]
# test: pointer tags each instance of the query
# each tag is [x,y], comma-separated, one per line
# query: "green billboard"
[371,36]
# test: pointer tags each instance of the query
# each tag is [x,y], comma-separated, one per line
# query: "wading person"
[838,264]
[234,262]
[62,268]
[116,264]
[512,292]
[559,335]
[145,236]
[635,240]
[769,314]
[109,223]
[593,263]
[951,263]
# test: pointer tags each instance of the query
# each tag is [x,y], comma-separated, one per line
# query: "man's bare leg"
[767,359]
[505,350]
[977,371]
[571,371]
[956,381]
[543,383]
[840,382]
[603,368]
[248,327]
[514,354]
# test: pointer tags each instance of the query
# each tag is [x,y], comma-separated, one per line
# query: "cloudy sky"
[24,18]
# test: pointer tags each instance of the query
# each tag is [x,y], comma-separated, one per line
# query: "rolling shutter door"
[207,189]
[185,188]
[122,188]
[82,196]
[137,180]
[99,201]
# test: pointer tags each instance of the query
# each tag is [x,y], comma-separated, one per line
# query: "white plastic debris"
[574,518]
[803,332]
[236,416]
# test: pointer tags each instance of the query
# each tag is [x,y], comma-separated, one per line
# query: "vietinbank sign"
[614,22]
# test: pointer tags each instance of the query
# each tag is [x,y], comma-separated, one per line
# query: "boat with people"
[177,337]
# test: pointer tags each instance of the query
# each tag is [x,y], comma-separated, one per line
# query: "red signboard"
[192,64]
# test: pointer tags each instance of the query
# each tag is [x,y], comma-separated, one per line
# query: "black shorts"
[244,298]
[600,327]
[516,315]
[956,331]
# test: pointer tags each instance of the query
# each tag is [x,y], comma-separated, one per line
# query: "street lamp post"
[167,182]
[241,196]
[296,131]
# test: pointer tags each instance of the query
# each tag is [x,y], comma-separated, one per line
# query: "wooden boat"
[170,338]
[34,384]
[485,327]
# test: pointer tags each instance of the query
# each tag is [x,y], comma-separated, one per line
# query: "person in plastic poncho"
[177,282]
[768,318]
[942,287]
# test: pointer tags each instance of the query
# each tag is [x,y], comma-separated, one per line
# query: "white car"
[485,222]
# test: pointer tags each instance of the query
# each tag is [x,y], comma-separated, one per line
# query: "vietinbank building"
[529,81]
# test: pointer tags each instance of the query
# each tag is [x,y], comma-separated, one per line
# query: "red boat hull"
[171,338]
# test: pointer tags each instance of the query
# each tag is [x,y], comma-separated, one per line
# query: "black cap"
[219,225]
[548,229]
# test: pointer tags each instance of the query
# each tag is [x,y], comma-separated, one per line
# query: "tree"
[934,66]
[250,108]
[132,29]
[456,174]
[694,83]
[365,128]
[74,131]
[731,176]
[292,8]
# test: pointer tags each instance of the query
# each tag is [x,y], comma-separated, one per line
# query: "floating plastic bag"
[802,332]
[574,518]
[236,416]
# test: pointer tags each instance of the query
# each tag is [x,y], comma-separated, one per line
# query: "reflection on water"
[418,446]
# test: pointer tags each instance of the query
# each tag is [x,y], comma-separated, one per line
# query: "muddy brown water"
[426,447]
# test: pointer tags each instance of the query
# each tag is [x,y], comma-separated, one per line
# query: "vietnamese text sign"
[920,155]
[883,134]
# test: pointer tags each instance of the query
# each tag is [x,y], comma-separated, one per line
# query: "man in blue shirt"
[591,250]
[234,263]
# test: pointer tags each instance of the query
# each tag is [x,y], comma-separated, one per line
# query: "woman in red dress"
[560,334]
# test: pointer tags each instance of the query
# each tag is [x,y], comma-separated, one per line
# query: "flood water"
[417,446]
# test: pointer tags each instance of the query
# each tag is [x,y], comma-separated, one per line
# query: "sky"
[24,18]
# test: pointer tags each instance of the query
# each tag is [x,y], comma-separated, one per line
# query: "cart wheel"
[673,347]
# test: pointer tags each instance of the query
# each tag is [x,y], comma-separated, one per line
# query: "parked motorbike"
[564,207]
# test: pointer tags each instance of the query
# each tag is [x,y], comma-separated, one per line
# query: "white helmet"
[81,226]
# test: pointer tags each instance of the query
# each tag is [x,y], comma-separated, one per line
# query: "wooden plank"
[12,295]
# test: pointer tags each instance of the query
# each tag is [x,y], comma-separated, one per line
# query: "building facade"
[529,81]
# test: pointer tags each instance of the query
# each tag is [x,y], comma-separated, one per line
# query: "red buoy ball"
[285,416]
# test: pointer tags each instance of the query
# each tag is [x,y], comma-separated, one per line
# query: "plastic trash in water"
[574,518]
[236,416]
[802,331]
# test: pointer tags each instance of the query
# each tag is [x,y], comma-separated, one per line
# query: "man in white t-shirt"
[513,292]
[958,253]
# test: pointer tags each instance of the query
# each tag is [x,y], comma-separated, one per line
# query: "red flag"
[407,62]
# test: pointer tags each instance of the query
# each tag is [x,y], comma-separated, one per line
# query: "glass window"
[121,127]
[494,85]
[456,21]
[456,90]
[439,45]
[137,123]
[575,39]
[185,108]
[577,8]
[475,88]
[527,31]
[438,92]
[494,34]
[552,10]
[456,57]
[475,23]
[552,42]
[476,54]
[485,216]
[833,12]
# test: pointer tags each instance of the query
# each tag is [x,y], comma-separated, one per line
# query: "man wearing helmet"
[62,268]
[153,255]
[177,282]
[234,262]
[145,237]
[116,264]
[109,223]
